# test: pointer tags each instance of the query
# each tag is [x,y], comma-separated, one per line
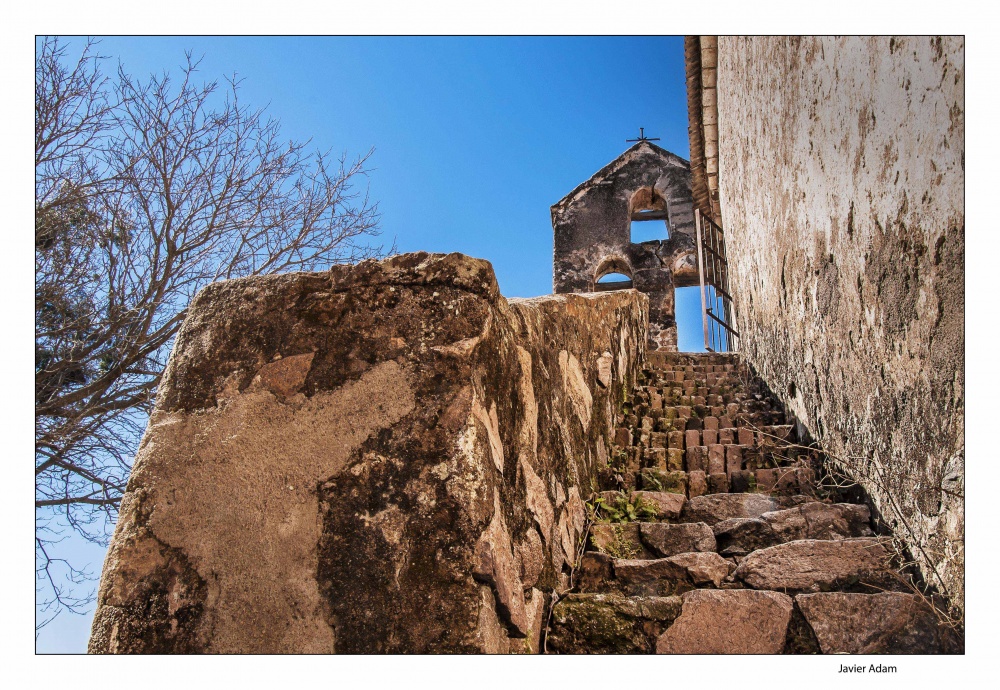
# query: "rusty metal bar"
[723,323]
[713,276]
[701,273]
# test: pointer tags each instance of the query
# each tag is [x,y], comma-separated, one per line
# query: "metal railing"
[716,296]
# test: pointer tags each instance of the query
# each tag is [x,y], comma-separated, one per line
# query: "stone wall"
[388,457]
[842,180]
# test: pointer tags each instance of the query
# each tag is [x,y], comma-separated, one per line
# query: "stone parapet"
[387,457]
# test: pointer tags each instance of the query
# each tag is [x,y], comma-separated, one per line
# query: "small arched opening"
[613,273]
[648,216]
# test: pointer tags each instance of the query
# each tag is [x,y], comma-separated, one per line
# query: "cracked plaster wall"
[842,182]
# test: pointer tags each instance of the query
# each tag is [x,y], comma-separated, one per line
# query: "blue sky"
[475,138]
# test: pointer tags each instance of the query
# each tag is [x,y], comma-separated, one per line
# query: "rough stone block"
[710,436]
[651,577]
[812,565]
[675,460]
[716,459]
[619,540]
[719,507]
[727,437]
[816,520]
[675,439]
[697,484]
[313,429]
[655,457]
[657,480]
[726,422]
[623,437]
[728,622]
[609,623]
[673,575]
[787,480]
[665,539]
[658,440]
[884,623]
[668,505]
[741,481]
[595,571]
[696,459]
[712,423]
[692,438]
[734,459]
[740,536]
[745,436]
[632,457]
[718,483]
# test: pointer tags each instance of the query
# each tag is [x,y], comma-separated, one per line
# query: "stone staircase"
[715,532]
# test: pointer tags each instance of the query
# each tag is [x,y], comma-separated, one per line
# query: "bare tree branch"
[145,192]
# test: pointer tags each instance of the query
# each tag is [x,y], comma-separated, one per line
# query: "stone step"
[728,550]
[609,623]
[676,574]
[715,508]
[718,479]
[814,520]
[713,621]
[883,623]
[813,565]
[630,540]
[728,622]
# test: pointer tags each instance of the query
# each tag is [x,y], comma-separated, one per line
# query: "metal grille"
[716,298]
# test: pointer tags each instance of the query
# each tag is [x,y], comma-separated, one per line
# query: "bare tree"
[146,191]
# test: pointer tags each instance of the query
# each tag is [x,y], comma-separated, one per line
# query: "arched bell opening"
[648,216]
[613,273]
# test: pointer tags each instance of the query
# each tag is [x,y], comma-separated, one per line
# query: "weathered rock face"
[387,457]
[841,179]
[592,236]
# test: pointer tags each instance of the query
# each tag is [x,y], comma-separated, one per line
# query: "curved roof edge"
[613,167]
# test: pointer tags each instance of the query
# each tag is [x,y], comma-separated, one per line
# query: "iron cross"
[642,137]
